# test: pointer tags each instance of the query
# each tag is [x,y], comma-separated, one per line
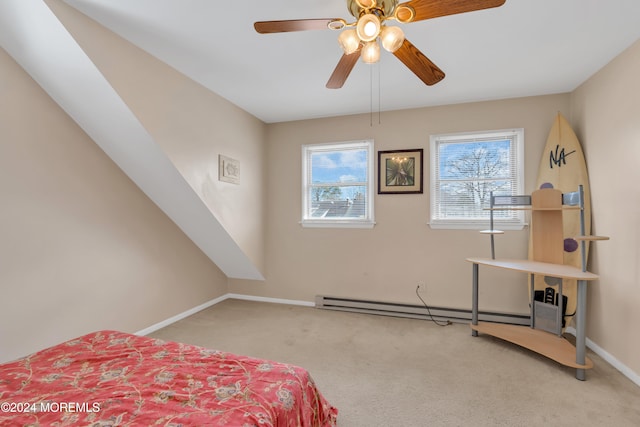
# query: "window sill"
[337,224]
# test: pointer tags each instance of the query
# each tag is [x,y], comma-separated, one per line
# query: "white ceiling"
[523,48]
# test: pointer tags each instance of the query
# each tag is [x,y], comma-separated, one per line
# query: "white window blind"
[466,168]
[337,184]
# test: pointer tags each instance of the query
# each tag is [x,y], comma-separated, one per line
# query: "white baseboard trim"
[215,301]
[272,300]
[625,370]
[181,316]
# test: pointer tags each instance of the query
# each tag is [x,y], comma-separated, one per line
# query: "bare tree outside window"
[476,171]
[466,169]
[326,193]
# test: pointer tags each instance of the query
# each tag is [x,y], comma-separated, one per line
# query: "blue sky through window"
[339,166]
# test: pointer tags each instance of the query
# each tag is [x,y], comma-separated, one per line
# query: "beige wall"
[81,247]
[84,249]
[606,117]
[386,262]
[192,125]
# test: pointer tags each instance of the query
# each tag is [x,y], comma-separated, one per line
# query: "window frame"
[516,136]
[341,222]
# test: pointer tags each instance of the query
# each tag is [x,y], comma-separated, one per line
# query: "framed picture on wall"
[228,169]
[400,172]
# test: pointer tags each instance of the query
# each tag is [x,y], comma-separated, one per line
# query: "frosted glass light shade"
[392,38]
[368,27]
[349,42]
[370,52]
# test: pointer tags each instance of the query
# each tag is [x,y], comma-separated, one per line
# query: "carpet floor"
[386,371]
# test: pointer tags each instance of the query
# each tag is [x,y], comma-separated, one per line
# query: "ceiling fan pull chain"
[371,96]
[379,92]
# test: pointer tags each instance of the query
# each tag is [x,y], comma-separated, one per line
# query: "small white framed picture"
[228,169]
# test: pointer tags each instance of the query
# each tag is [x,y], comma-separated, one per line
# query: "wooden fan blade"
[266,27]
[427,9]
[421,66]
[343,69]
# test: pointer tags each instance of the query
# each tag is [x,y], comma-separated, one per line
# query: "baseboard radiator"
[415,311]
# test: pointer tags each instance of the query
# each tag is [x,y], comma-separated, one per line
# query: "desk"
[552,346]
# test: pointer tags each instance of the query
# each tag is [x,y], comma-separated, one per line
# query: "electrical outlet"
[422,286]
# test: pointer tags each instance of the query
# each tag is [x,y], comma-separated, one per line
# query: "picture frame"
[400,171]
[228,169]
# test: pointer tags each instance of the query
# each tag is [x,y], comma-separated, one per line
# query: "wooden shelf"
[549,345]
[590,238]
[536,267]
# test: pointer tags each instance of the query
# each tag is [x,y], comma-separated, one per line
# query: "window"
[466,168]
[337,182]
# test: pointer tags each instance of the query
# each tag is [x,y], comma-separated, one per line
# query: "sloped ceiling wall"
[38,40]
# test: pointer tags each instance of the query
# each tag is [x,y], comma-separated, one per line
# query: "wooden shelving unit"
[547,260]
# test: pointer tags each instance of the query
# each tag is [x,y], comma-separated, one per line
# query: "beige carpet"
[384,371]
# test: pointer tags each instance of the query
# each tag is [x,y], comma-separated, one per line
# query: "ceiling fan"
[360,38]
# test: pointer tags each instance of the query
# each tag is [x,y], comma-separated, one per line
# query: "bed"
[111,378]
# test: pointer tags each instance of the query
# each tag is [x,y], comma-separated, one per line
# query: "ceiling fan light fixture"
[370,52]
[349,41]
[366,4]
[392,38]
[358,7]
[404,13]
[368,27]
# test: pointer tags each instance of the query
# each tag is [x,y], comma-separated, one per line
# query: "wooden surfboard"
[563,167]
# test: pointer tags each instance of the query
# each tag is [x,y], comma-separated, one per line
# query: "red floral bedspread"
[111,378]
